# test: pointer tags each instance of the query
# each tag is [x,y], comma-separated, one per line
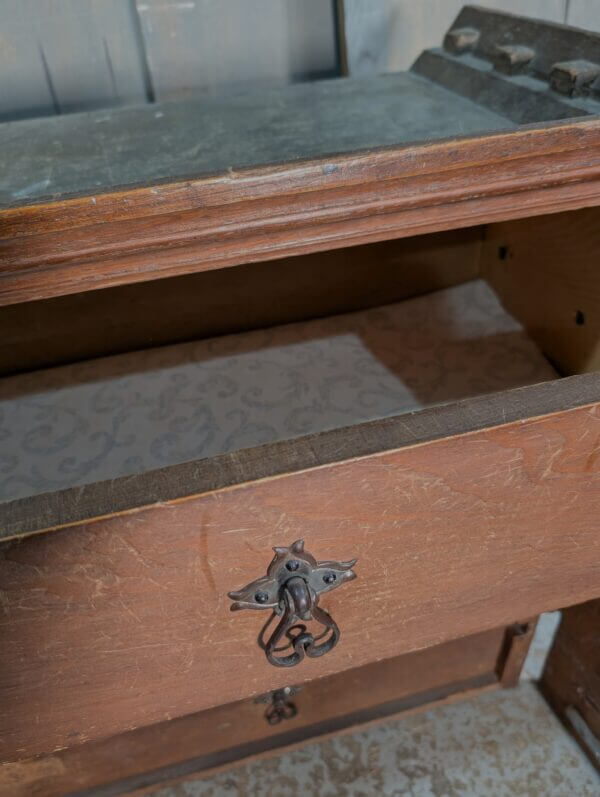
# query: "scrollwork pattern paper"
[120,415]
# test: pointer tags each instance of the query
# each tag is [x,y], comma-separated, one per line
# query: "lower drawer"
[223,736]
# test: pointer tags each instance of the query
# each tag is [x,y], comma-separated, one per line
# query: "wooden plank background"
[58,56]
[211,45]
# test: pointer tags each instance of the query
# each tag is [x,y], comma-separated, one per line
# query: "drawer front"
[225,735]
[125,621]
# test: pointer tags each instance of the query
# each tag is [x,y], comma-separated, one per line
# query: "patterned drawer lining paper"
[120,415]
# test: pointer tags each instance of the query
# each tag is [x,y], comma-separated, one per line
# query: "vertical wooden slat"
[584,14]
[389,35]
[208,45]
[25,88]
[68,55]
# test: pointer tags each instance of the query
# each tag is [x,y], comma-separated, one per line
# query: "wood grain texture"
[68,55]
[571,679]
[118,238]
[238,731]
[545,271]
[97,323]
[71,507]
[207,45]
[125,622]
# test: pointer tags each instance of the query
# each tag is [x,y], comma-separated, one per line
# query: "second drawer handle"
[291,589]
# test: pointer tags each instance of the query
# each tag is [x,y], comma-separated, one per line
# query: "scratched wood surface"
[125,622]
[227,734]
[74,506]
[116,238]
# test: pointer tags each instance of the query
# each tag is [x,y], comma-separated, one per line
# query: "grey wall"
[58,56]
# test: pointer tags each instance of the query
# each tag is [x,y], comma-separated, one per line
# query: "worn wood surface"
[80,244]
[125,622]
[571,680]
[109,150]
[68,55]
[526,101]
[81,326]
[552,43]
[74,506]
[238,731]
[545,271]
[210,46]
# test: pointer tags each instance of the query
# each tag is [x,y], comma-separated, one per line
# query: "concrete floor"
[502,744]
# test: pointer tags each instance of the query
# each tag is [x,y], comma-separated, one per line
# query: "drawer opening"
[371,333]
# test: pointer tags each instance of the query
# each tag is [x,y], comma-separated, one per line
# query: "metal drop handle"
[291,589]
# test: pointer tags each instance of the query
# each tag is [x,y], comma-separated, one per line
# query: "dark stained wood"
[244,216]
[76,505]
[125,622]
[571,679]
[545,271]
[552,41]
[237,731]
[517,641]
[85,325]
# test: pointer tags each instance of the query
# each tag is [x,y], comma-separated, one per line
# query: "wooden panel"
[390,34]
[118,238]
[125,621]
[219,135]
[545,271]
[211,46]
[68,55]
[228,734]
[71,507]
[516,646]
[584,14]
[37,334]
[571,680]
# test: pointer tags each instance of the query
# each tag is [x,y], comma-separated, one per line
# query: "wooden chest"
[398,365]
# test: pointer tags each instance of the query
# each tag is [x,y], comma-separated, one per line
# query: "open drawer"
[310,313]
[433,440]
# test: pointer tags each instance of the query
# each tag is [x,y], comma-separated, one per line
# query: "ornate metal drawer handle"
[291,589]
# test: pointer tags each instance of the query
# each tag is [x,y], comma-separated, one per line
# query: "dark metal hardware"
[280,707]
[291,589]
